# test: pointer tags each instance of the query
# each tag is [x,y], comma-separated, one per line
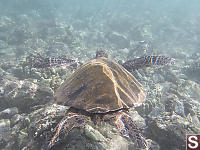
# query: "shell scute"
[101,86]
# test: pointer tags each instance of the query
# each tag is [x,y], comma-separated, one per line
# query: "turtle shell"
[101,86]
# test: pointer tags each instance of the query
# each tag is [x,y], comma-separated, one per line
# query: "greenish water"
[169,25]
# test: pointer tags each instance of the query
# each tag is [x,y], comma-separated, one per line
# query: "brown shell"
[100,86]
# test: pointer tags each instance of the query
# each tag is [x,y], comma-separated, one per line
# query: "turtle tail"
[148,61]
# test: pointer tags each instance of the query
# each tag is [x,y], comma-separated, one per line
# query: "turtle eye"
[80,121]
[59,103]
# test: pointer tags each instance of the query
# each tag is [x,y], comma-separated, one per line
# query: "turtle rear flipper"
[70,121]
[126,126]
[147,61]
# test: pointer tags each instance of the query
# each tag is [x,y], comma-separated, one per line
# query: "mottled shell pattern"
[101,86]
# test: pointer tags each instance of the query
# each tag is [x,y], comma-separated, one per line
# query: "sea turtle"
[103,89]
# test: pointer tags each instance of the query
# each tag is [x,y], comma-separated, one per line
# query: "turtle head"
[101,53]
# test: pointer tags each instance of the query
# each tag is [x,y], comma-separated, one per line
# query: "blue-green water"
[168,25]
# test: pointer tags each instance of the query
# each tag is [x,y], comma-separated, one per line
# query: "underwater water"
[42,43]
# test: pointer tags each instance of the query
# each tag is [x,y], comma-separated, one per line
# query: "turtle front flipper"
[61,62]
[123,122]
[147,61]
[70,121]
